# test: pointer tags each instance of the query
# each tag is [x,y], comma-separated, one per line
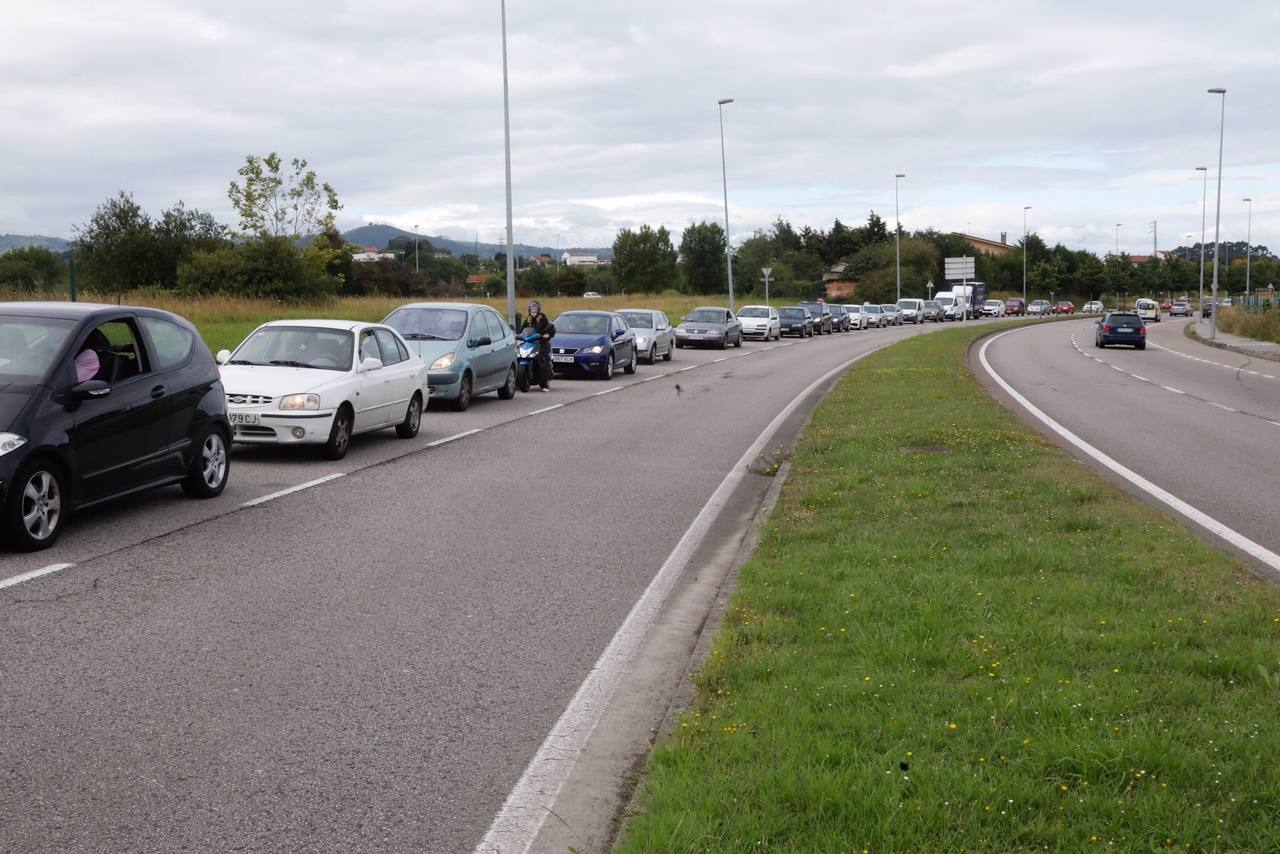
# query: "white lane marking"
[1172,389]
[652,378]
[717,361]
[690,368]
[1221,406]
[546,409]
[607,391]
[516,826]
[1118,368]
[1140,379]
[1274,423]
[273,496]
[1210,362]
[455,437]
[35,573]
[1237,539]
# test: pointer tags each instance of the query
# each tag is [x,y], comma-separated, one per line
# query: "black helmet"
[535,307]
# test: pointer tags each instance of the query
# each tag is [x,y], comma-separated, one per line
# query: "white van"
[1148,309]
[953,307]
[912,310]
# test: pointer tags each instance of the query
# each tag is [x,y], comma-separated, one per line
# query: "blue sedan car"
[593,343]
[468,348]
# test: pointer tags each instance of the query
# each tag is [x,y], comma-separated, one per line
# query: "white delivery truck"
[955,303]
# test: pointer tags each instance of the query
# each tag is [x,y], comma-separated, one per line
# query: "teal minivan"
[468,348]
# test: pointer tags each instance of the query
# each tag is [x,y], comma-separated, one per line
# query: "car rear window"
[794,312]
[1123,319]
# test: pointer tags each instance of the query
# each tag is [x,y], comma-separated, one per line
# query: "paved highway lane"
[1201,423]
[370,663]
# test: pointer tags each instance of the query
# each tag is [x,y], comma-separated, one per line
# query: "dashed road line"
[547,409]
[1172,389]
[291,490]
[608,391]
[1222,406]
[455,437]
[35,573]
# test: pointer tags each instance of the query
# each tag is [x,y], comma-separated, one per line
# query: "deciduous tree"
[273,203]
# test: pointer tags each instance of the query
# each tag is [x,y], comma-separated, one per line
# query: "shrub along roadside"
[954,637]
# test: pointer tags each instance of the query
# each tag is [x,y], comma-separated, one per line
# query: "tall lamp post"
[1217,216]
[1204,209]
[1248,255]
[506,121]
[415,248]
[1025,208]
[1118,224]
[767,271]
[724,175]
[897,232]
[1186,256]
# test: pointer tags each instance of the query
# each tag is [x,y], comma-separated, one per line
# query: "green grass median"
[953,637]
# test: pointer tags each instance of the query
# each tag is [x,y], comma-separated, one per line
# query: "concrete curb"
[1190,331]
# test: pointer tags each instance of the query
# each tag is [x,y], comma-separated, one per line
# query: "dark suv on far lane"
[97,402]
[821,314]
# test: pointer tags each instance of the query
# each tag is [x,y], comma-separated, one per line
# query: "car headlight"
[295,402]
[444,363]
[594,350]
[10,442]
[641,341]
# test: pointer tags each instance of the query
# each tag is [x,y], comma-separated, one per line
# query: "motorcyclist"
[546,330]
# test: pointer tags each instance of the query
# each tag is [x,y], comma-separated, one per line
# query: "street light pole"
[1204,209]
[415,248]
[1025,234]
[506,120]
[1217,216]
[897,232]
[724,175]
[1248,255]
[767,271]
[1118,224]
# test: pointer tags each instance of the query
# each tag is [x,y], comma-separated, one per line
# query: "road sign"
[958,268]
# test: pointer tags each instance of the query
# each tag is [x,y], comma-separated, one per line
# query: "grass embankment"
[225,321]
[1261,327]
[954,637]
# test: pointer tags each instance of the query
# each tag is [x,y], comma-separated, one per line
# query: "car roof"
[587,312]
[454,305]
[320,323]
[73,310]
[645,310]
[741,307]
[710,308]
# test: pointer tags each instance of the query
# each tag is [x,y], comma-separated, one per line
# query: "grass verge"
[1264,326]
[954,637]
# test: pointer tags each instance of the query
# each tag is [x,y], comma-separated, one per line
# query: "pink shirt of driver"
[86,365]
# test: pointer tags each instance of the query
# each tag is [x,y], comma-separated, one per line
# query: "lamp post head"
[1217,91]
[1202,168]
[900,175]
[1250,201]
[724,101]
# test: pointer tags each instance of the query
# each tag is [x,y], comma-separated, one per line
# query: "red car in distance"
[1014,307]
[1064,307]
[1167,304]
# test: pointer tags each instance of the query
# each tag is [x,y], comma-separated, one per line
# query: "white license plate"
[1124,329]
[561,358]
[245,418]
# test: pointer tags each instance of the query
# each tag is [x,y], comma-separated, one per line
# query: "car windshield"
[794,312]
[428,324]
[754,311]
[582,324]
[945,300]
[888,307]
[28,346]
[906,303]
[853,309]
[994,303]
[297,347]
[638,319]
[706,315]
[872,309]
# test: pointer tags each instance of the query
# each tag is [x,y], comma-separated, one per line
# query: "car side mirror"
[482,341]
[617,333]
[223,357]
[371,363]
[90,389]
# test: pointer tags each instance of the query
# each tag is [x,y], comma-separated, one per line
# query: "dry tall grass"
[1261,327]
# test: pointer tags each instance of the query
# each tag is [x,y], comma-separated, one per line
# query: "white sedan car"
[760,321]
[320,382]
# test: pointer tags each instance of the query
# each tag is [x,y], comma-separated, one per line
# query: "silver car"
[857,317]
[715,326]
[654,335]
[892,314]
[874,315]
[760,321]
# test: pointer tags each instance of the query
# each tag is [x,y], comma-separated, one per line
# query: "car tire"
[37,506]
[738,343]
[679,345]
[209,467]
[631,366]
[408,428]
[724,342]
[1142,346]
[608,368]
[335,447]
[666,357]
[508,389]
[465,390]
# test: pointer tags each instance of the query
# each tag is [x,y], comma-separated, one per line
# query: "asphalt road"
[1202,423]
[367,664]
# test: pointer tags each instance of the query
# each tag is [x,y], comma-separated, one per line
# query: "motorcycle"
[527,367]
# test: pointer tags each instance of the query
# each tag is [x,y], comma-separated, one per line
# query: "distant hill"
[19,241]
[381,235]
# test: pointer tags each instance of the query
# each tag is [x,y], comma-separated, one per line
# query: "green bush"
[270,267]
[31,269]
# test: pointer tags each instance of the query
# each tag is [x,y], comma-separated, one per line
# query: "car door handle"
[157,392]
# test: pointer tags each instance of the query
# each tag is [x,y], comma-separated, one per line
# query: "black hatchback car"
[1121,327]
[99,401]
[796,320]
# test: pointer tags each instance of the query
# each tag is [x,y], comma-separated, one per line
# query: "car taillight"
[1107,329]
[1142,330]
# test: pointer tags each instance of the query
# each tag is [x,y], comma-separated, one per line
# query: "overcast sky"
[1094,113]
